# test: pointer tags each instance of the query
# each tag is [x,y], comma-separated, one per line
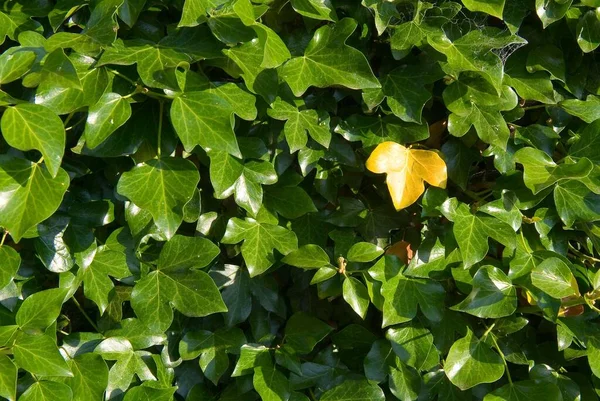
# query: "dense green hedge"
[299,200]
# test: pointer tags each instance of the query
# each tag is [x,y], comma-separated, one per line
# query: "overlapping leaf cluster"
[186,213]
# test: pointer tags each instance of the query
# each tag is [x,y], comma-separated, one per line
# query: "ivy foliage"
[193,203]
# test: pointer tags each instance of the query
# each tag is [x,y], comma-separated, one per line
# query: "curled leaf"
[406,170]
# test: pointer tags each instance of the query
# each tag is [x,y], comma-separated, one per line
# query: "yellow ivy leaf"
[406,170]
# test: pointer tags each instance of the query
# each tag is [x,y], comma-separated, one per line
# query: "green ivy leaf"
[493,295]
[13,65]
[245,180]
[354,390]
[406,90]
[40,310]
[191,292]
[105,117]
[39,355]
[90,377]
[205,119]
[30,126]
[299,123]
[472,231]
[260,239]
[525,390]
[307,257]
[588,31]
[316,9]
[472,52]
[356,295]
[403,294]
[364,252]
[327,61]
[11,260]
[270,383]
[554,277]
[413,344]
[303,332]
[47,390]
[161,186]
[8,378]
[494,7]
[96,277]
[471,362]
[33,194]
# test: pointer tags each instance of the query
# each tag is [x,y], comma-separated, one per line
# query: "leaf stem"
[160,123]
[87,317]
[489,330]
[40,160]
[3,237]
[535,107]
[123,76]
[583,255]
[501,356]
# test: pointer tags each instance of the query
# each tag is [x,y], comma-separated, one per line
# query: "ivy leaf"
[212,349]
[407,169]
[163,187]
[554,277]
[471,362]
[195,11]
[289,200]
[531,86]
[492,296]
[40,310]
[97,283]
[150,393]
[31,192]
[299,123]
[245,180]
[364,252]
[403,294]
[47,390]
[260,239]
[473,52]
[11,260]
[550,11]
[327,61]
[373,131]
[354,390]
[588,31]
[494,7]
[39,355]
[13,65]
[356,295]
[270,383]
[30,126]
[249,57]
[60,88]
[105,117]
[413,344]
[90,377]
[192,292]
[8,378]
[472,231]
[309,256]
[316,9]
[586,145]
[404,382]
[541,171]
[574,201]
[207,113]
[304,332]
[588,110]
[525,390]
[405,89]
